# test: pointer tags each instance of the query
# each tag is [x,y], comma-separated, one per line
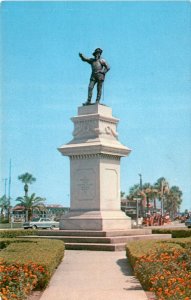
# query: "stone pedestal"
[95,153]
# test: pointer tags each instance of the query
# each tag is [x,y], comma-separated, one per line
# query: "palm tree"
[149,194]
[173,200]
[30,203]
[27,179]
[136,192]
[162,186]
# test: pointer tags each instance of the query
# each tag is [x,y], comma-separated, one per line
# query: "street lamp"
[140,175]
[141,187]
[137,210]
[164,188]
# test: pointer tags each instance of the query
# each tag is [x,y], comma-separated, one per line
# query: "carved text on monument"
[85,184]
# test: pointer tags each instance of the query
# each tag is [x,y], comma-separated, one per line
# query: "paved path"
[94,275]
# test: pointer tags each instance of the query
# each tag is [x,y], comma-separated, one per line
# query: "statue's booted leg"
[99,90]
[90,91]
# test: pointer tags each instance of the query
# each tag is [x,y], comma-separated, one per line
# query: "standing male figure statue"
[99,69]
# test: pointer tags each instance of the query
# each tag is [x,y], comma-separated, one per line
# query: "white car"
[40,223]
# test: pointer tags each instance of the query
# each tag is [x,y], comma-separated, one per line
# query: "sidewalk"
[94,275]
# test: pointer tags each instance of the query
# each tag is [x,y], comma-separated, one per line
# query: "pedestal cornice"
[83,118]
[95,132]
[84,149]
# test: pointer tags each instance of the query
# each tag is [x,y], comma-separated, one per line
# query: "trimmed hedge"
[12,233]
[183,242]
[27,264]
[136,249]
[163,267]
[5,242]
[176,233]
[45,252]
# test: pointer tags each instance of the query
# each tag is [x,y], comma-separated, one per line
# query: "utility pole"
[137,210]
[141,184]
[9,186]
[9,195]
[164,189]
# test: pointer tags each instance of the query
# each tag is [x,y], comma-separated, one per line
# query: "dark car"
[188,223]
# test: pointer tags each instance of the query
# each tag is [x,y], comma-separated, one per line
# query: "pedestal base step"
[94,247]
[98,243]
[96,233]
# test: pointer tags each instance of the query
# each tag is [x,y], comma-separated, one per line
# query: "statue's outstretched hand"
[84,58]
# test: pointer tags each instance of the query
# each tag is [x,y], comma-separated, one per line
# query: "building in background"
[53,211]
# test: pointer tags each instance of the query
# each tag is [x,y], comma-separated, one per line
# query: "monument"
[95,154]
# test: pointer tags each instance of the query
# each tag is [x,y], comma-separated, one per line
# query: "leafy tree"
[134,191]
[30,203]
[27,179]
[4,204]
[173,200]
[122,194]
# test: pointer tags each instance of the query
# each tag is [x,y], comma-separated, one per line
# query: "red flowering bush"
[17,281]
[27,265]
[166,271]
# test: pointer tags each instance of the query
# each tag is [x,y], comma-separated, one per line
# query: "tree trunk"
[141,208]
[30,213]
[155,207]
[147,203]
[26,189]
[27,215]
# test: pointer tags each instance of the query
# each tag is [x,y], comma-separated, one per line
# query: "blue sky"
[147,45]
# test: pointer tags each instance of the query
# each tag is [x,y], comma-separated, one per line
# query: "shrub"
[3,220]
[176,233]
[17,281]
[166,272]
[5,242]
[30,261]
[136,249]
[41,251]
[164,267]
[183,242]
[14,233]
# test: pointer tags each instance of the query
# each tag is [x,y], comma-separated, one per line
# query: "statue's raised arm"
[99,69]
[85,58]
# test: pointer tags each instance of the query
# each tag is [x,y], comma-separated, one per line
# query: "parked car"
[40,223]
[188,223]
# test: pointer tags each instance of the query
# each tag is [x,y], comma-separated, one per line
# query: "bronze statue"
[99,69]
